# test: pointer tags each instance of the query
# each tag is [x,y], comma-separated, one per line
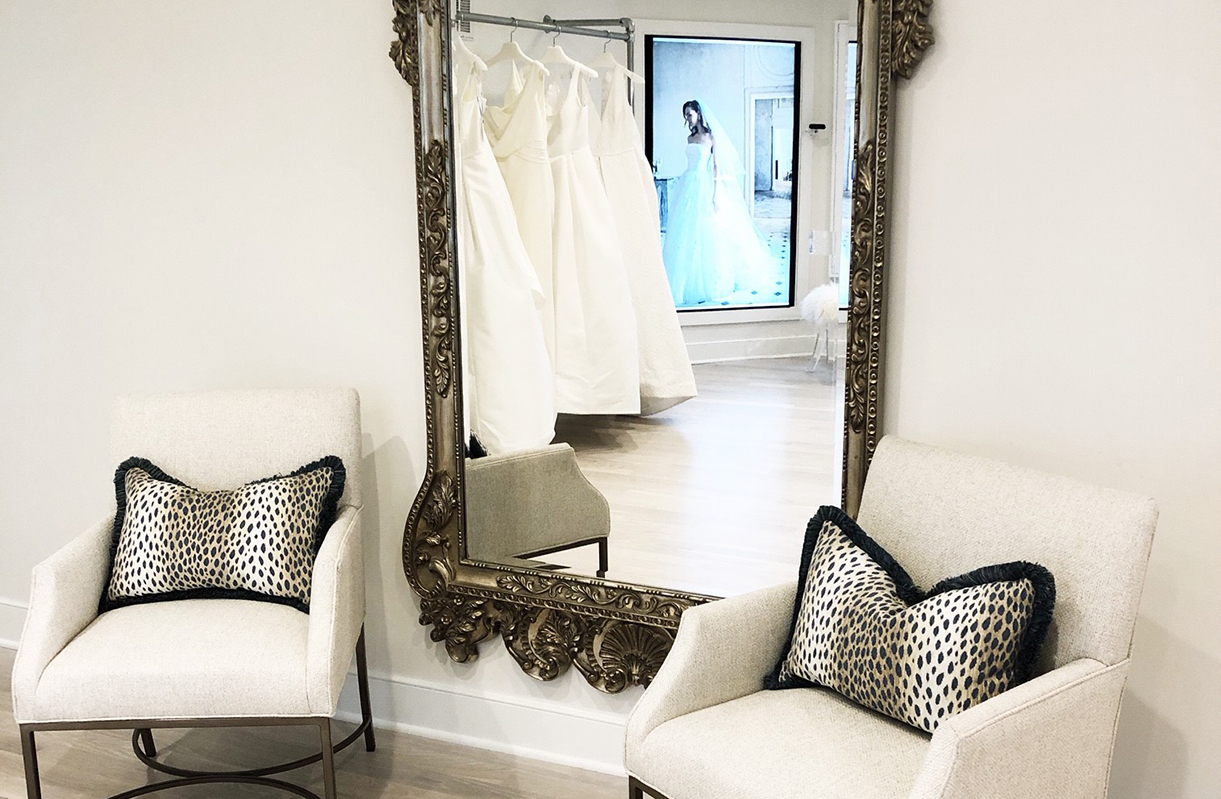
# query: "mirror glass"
[653,224]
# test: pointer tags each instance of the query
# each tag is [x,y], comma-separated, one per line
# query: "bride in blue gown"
[712,247]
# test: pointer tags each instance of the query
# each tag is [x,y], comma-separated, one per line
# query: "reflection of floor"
[773,204]
[713,496]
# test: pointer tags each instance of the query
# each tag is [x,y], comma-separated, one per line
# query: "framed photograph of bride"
[721,131]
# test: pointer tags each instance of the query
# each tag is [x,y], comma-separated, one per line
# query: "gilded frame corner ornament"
[616,635]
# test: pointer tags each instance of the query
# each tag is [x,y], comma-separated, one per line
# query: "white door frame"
[845,34]
[751,96]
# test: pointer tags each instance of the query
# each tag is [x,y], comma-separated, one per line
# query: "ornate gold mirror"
[652,253]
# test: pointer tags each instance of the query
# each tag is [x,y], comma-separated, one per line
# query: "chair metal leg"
[146,737]
[328,759]
[33,788]
[603,556]
[362,681]
[815,356]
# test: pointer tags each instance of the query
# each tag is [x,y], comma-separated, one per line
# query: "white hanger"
[466,51]
[556,55]
[608,61]
[511,51]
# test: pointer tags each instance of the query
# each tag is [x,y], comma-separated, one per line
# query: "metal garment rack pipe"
[551,27]
[629,30]
[570,26]
[603,22]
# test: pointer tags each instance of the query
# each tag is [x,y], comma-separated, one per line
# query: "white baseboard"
[568,737]
[579,739]
[749,348]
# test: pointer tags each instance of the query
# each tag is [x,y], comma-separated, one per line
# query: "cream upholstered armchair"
[705,727]
[528,504]
[203,662]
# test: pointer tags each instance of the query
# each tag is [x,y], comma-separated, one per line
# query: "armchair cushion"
[811,744]
[864,629]
[259,541]
[199,658]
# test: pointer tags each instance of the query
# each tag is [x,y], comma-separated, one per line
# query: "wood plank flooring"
[713,496]
[96,764]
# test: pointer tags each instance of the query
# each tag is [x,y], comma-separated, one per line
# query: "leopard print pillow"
[862,628]
[258,541]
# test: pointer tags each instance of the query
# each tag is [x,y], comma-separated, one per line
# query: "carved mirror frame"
[615,634]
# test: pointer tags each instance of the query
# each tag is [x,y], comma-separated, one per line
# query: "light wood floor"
[95,764]
[713,496]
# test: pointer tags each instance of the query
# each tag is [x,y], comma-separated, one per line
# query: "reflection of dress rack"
[502,333]
[572,27]
[555,156]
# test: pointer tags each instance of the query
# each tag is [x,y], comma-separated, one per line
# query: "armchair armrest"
[337,610]
[64,593]
[1051,736]
[723,651]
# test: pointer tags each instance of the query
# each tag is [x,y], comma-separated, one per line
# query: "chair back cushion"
[225,439]
[940,512]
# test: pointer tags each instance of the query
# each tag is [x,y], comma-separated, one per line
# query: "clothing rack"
[572,27]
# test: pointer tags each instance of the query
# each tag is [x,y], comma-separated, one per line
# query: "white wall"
[220,194]
[1056,264]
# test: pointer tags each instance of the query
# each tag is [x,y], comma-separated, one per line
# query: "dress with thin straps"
[597,368]
[666,378]
[508,383]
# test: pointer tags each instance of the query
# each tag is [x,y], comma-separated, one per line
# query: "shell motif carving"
[617,654]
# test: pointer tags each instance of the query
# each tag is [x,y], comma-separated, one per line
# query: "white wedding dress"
[713,247]
[517,132]
[509,389]
[597,369]
[665,367]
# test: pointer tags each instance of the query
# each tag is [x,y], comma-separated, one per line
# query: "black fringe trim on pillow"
[207,593]
[326,518]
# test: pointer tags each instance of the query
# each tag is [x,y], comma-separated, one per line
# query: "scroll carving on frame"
[616,635]
[893,36]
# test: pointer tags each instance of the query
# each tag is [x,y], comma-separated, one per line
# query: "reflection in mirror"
[651,217]
[726,230]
